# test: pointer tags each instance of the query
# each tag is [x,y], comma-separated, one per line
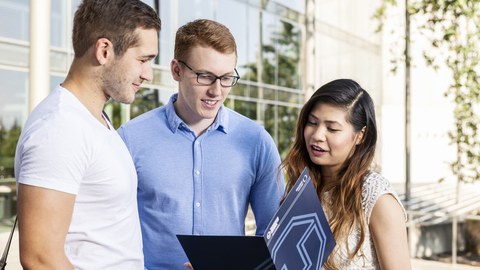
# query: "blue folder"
[298,237]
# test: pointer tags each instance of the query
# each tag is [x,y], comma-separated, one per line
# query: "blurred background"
[417,59]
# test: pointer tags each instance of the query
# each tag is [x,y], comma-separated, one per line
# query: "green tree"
[453,27]
[280,59]
[11,139]
[8,147]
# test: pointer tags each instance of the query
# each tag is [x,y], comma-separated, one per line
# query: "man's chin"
[125,99]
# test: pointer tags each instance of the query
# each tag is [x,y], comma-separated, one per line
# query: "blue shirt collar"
[175,122]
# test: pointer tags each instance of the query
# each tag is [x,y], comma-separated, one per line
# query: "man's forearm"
[41,262]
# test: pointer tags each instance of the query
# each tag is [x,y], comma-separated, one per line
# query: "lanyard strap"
[3,261]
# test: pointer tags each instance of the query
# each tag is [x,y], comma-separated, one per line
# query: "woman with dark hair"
[335,139]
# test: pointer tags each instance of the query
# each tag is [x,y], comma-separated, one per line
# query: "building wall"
[348,46]
[431,112]
[343,45]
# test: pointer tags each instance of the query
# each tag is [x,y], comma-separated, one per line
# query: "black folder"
[227,252]
[298,237]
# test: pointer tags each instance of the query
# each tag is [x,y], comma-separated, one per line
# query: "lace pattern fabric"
[374,187]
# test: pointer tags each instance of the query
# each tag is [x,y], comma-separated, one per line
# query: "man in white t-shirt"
[77,183]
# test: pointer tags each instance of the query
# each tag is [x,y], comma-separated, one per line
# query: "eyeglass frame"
[235,77]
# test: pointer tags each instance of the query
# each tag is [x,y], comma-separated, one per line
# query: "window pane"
[280,122]
[288,51]
[58,25]
[295,5]
[234,15]
[269,27]
[145,100]
[13,97]
[13,113]
[74,7]
[15,19]
[271,122]
[248,39]
[190,10]
[287,120]
[15,55]
[167,34]
[239,90]
[246,108]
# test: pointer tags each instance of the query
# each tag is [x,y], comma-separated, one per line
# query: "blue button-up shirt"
[199,185]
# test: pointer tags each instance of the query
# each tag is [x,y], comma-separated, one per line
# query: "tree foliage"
[8,143]
[453,29]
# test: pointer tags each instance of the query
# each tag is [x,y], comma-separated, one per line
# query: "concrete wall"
[427,241]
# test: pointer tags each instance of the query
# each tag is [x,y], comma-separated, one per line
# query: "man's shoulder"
[240,121]
[250,131]
[59,118]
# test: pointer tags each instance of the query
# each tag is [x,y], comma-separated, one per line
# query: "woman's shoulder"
[374,181]
[374,186]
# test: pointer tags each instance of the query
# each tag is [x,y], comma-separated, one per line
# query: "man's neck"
[84,88]
[198,126]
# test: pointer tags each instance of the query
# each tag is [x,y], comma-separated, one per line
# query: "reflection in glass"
[287,119]
[246,108]
[268,57]
[288,53]
[280,121]
[279,56]
[13,113]
[236,16]
[145,100]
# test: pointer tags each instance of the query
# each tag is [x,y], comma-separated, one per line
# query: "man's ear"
[359,136]
[104,50]
[175,69]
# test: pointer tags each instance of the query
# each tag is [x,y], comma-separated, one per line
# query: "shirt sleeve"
[53,155]
[269,185]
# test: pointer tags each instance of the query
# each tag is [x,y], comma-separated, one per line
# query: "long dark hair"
[344,207]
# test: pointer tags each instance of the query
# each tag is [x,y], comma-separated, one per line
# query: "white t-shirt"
[64,148]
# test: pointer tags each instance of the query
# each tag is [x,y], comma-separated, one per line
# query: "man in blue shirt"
[199,164]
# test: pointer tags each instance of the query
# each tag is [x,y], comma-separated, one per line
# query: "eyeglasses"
[205,78]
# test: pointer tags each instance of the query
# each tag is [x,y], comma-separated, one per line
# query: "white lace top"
[374,186]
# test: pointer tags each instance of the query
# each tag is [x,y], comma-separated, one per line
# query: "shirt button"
[197,172]
[197,204]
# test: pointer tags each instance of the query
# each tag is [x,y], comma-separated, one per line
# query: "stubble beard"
[115,87]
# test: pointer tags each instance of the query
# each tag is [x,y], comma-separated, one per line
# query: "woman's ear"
[359,136]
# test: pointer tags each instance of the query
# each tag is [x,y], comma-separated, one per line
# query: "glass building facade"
[285,51]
